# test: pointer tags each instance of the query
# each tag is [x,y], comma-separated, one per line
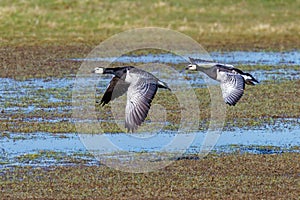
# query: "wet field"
[49,101]
[42,154]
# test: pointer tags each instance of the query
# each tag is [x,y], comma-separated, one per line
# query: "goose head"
[192,67]
[117,71]
[98,70]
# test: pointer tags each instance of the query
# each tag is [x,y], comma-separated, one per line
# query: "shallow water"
[258,58]
[29,96]
[63,147]
[14,93]
[234,57]
[49,149]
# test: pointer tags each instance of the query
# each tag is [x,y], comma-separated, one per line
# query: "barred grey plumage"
[232,80]
[141,87]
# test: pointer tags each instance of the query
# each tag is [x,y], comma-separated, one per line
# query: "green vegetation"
[267,67]
[61,157]
[215,177]
[37,38]
[215,24]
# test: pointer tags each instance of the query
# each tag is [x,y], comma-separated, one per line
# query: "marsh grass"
[36,38]
[267,67]
[218,177]
[215,24]
[60,157]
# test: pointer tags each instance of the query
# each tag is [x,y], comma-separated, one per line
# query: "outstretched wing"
[117,87]
[232,88]
[139,98]
[199,60]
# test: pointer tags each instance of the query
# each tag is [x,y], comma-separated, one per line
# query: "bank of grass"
[265,103]
[215,24]
[231,176]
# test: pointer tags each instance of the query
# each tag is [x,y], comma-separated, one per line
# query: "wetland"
[42,155]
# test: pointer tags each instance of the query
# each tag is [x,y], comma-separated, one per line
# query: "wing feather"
[139,98]
[116,88]
[232,88]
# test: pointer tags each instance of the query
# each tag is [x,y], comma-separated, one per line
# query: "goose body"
[141,87]
[232,80]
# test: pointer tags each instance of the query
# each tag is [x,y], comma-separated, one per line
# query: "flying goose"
[141,87]
[232,80]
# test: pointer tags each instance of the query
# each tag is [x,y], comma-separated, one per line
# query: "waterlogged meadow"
[39,138]
[39,111]
[42,153]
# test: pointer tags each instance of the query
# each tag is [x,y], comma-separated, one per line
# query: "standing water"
[28,97]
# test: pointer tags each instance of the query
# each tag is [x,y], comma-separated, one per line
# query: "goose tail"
[249,79]
[164,85]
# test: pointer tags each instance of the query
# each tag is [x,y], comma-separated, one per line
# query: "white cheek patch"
[192,67]
[99,70]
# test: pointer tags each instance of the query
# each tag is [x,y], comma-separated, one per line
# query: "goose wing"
[117,87]
[249,79]
[232,87]
[198,60]
[139,98]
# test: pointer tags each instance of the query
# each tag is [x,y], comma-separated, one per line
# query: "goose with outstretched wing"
[141,87]
[232,80]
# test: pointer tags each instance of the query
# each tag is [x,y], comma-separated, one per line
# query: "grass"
[215,177]
[215,24]
[53,156]
[36,38]
[267,67]
[259,106]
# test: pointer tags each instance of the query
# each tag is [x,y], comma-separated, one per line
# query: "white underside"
[246,77]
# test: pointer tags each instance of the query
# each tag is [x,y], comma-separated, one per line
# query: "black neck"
[109,70]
